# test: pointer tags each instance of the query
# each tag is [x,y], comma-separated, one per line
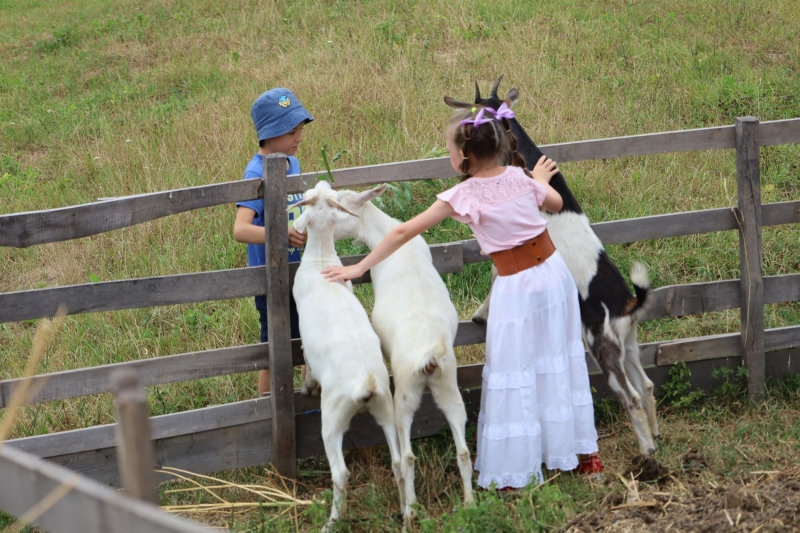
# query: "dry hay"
[656,501]
[274,491]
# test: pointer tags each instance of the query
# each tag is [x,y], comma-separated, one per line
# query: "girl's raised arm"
[397,237]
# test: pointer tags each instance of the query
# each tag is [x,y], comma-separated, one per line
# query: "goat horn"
[477,94]
[496,85]
[333,203]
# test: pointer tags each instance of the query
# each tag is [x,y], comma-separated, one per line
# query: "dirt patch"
[645,468]
[766,502]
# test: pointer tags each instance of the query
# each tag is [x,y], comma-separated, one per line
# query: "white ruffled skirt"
[536,402]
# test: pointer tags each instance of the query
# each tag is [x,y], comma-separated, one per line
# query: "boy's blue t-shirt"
[256,253]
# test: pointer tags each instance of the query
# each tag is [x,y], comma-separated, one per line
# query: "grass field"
[107,99]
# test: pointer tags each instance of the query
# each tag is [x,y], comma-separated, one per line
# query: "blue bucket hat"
[276,112]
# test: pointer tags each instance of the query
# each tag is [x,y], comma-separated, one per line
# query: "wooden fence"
[286,426]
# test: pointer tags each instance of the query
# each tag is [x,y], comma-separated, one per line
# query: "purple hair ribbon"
[478,120]
[502,112]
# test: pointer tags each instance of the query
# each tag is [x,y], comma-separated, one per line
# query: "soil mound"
[767,502]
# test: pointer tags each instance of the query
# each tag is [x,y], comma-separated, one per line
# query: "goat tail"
[641,285]
[431,363]
[367,390]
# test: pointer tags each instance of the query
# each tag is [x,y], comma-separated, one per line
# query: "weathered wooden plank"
[692,298]
[345,178]
[778,289]
[281,370]
[780,213]
[724,345]
[778,364]
[156,371]
[245,439]
[647,144]
[163,427]
[775,132]
[132,294]
[86,505]
[750,253]
[664,226]
[38,227]
[470,333]
[134,443]
[27,229]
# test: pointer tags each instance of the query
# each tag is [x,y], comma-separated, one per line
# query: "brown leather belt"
[528,254]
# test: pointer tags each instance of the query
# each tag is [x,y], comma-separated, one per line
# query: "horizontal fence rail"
[84,504]
[670,301]
[243,282]
[39,227]
[192,440]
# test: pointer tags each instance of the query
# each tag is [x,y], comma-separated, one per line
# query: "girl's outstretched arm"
[397,237]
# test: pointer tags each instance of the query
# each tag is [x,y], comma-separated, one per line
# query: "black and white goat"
[609,311]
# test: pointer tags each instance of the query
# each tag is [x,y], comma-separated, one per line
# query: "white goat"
[417,323]
[342,352]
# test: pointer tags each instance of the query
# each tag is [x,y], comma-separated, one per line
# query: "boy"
[279,118]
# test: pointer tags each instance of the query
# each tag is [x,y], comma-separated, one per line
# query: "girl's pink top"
[502,211]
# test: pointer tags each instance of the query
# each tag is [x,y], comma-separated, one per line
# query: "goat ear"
[301,222]
[340,207]
[512,97]
[455,104]
[371,194]
[310,199]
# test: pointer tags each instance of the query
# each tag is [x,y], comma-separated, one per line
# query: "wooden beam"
[54,225]
[134,443]
[224,444]
[155,371]
[723,345]
[85,504]
[281,375]
[39,227]
[132,294]
[750,253]
[665,226]
[774,132]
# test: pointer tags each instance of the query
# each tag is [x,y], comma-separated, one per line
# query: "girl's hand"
[545,169]
[342,273]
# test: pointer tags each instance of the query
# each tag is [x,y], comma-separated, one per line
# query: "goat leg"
[481,316]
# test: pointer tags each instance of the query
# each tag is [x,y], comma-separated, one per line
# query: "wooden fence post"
[750,253]
[135,454]
[280,342]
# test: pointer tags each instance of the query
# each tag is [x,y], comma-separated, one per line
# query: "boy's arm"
[245,231]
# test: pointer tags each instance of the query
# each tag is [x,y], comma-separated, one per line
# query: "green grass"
[131,97]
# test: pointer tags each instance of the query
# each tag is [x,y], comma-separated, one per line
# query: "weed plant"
[110,99]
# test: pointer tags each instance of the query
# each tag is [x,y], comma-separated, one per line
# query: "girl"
[536,404]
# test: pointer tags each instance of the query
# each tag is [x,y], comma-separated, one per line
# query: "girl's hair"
[489,141]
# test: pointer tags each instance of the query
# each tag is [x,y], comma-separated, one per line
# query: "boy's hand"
[297,239]
[545,169]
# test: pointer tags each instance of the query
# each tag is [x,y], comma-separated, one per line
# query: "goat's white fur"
[417,323]
[574,239]
[342,352]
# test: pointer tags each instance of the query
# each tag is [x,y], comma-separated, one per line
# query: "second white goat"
[342,353]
